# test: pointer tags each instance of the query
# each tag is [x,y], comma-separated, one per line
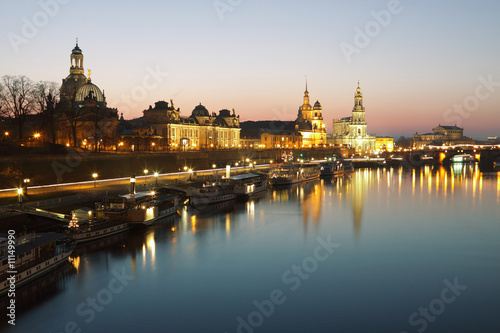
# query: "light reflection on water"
[402,232]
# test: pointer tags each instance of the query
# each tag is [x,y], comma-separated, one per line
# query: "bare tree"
[72,114]
[16,99]
[46,96]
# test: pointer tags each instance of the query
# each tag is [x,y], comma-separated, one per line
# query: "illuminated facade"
[83,113]
[310,123]
[448,135]
[201,130]
[280,139]
[351,131]
[384,144]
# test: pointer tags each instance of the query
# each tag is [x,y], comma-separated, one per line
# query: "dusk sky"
[253,56]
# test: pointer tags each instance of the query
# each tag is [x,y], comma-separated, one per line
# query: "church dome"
[224,113]
[317,105]
[200,111]
[76,50]
[89,89]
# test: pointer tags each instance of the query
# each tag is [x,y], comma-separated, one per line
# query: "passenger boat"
[212,193]
[95,228]
[248,184]
[290,173]
[142,208]
[33,256]
[327,169]
[464,158]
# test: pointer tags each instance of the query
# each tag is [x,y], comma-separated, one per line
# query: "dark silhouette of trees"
[46,96]
[17,99]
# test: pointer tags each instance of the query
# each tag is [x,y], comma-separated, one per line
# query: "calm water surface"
[380,251]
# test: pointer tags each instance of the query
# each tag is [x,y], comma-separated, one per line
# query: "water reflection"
[197,249]
[426,182]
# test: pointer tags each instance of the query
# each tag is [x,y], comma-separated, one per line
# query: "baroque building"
[351,131]
[441,135]
[310,122]
[201,130]
[84,118]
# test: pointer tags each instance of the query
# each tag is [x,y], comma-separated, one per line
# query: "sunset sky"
[253,56]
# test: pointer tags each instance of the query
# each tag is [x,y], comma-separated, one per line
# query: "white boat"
[33,256]
[248,184]
[290,173]
[90,230]
[142,208]
[463,158]
[212,193]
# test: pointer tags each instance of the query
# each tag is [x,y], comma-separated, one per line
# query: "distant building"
[271,134]
[201,130]
[351,131]
[270,139]
[384,144]
[83,112]
[441,135]
[310,123]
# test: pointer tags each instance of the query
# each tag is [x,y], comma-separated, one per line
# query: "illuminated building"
[201,130]
[447,135]
[280,139]
[310,123]
[384,144]
[84,115]
[351,131]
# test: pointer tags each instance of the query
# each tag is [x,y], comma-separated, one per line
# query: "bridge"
[488,156]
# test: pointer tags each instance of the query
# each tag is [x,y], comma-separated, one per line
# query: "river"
[377,251]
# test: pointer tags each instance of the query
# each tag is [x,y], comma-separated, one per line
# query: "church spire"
[76,60]
[306,97]
[358,98]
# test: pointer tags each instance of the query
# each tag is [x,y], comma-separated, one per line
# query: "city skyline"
[253,57]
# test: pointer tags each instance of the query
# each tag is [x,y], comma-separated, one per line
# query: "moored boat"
[32,256]
[248,184]
[142,208]
[327,169]
[94,228]
[290,173]
[212,193]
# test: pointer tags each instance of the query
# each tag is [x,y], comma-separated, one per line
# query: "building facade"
[310,123]
[384,144]
[84,119]
[441,135]
[352,131]
[201,130]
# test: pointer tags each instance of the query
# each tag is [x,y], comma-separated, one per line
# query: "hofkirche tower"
[358,114]
[351,131]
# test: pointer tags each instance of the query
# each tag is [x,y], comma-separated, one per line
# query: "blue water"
[365,253]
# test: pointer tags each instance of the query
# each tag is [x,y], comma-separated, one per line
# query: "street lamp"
[26,182]
[156,178]
[145,174]
[20,196]
[95,175]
